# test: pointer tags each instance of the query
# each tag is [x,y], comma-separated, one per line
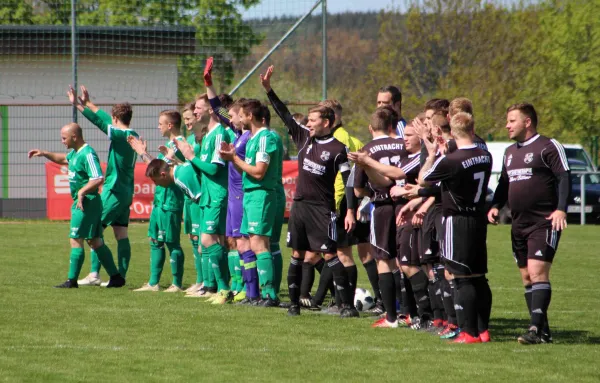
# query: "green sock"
[197,261]
[106,260]
[177,258]
[207,273]
[264,264]
[277,267]
[157,261]
[215,253]
[123,255]
[76,261]
[94,262]
[233,259]
[238,273]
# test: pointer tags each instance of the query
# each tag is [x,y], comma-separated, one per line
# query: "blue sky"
[271,8]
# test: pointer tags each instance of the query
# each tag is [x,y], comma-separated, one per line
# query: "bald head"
[72,129]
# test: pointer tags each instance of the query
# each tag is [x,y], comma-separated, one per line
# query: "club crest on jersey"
[528,158]
[325,155]
[509,160]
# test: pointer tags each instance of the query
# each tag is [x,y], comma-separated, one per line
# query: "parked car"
[579,160]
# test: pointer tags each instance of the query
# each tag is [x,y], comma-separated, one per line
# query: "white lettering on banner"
[61,184]
[144,188]
[141,208]
[288,180]
[313,167]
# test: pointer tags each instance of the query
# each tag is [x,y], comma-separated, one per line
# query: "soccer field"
[97,334]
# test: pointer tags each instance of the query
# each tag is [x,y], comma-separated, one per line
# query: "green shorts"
[165,226]
[191,217]
[259,212]
[115,211]
[279,216]
[213,219]
[87,223]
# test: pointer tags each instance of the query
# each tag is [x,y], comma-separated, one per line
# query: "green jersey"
[230,134]
[121,157]
[170,198]
[262,147]
[191,139]
[214,187]
[84,166]
[279,164]
[187,180]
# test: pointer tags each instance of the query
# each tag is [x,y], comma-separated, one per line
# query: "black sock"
[340,277]
[308,278]
[438,271]
[460,318]
[319,265]
[325,279]
[294,279]
[408,297]
[352,272]
[467,303]
[419,284]
[371,268]
[528,299]
[399,289]
[435,296]
[541,293]
[484,302]
[448,301]
[387,286]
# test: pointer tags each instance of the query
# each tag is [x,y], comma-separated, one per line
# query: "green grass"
[108,335]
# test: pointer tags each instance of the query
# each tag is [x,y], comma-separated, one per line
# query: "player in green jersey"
[213,202]
[85,177]
[196,129]
[117,193]
[281,200]
[165,219]
[260,181]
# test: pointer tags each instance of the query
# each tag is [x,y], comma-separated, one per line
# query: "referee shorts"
[465,248]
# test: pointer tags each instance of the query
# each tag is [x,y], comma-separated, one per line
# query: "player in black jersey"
[391,96]
[536,183]
[386,150]
[407,235]
[312,224]
[464,175]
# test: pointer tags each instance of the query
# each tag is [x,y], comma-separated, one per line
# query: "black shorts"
[312,227]
[465,249]
[429,245]
[383,232]
[538,242]
[362,232]
[408,245]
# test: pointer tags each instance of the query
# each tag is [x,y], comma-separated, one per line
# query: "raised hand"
[138,145]
[168,153]
[84,97]
[208,72]
[35,153]
[265,79]
[227,151]
[72,96]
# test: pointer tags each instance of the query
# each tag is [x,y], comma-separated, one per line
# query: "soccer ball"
[363,300]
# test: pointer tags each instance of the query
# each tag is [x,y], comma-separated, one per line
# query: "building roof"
[53,40]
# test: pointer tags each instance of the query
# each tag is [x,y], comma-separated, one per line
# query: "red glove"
[207,72]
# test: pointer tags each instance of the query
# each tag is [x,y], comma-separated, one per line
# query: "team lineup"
[412,201]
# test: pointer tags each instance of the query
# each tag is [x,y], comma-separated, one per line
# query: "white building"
[137,65]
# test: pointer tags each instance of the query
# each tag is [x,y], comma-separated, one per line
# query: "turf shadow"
[508,329]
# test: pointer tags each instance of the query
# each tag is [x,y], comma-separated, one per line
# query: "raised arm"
[57,158]
[140,147]
[89,110]
[294,127]
[213,98]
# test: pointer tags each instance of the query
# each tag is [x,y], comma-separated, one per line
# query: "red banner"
[58,194]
